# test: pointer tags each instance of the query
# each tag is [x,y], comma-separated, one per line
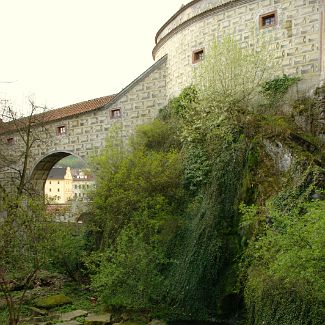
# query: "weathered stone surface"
[52,301]
[281,154]
[38,311]
[73,314]
[98,319]
[47,319]
[294,41]
[71,322]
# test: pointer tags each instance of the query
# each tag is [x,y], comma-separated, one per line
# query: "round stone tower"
[295,30]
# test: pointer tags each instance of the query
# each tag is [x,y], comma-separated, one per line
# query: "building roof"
[79,175]
[77,108]
[59,113]
[57,173]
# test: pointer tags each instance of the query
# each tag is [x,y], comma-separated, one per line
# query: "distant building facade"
[65,185]
[58,186]
[81,184]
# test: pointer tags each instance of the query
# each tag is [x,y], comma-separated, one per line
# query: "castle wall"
[85,134]
[297,39]
[138,103]
[322,38]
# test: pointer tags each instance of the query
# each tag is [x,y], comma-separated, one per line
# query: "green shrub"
[137,208]
[286,283]
[130,275]
[274,90]
[69,248]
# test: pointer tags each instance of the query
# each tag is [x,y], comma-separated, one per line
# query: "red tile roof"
[60,113]
[78,108]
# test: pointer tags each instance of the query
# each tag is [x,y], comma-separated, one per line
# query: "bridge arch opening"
[43,167]
[65,180]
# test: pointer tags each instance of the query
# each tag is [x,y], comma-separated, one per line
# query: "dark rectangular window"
[11,140]
[61,130]
[197,56]
[116,113]
[268,20]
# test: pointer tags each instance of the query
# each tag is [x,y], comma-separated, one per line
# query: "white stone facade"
[58,189]
[85,134]
[297,38]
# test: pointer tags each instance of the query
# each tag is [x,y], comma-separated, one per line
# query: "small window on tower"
[197,56]
[61,130]
[116,113]
[268,20]
[10,140]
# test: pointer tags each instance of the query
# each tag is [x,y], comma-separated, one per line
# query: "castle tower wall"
[296,38]
[322,39]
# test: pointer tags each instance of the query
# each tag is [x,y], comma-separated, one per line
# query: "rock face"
[72,315]
[52,301]
[37,311]
[72,318]
[104,319]
[281,155]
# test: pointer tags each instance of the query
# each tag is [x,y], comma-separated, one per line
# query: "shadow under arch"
[43,166]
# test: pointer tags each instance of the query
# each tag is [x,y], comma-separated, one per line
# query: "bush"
[286,283]
[137,208]
[274,90]
[130,275]
[68,251]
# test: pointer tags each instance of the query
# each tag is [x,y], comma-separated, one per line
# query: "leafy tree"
[68,249]
[227,82]
[131,274]
[137,208]
[285,257]
[27,133]
[25,235]
[25,228]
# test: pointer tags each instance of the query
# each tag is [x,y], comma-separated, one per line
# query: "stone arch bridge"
[80,129]
[295,32]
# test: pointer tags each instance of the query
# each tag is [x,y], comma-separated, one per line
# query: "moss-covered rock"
[52,301]
[37,311]
[98,319]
